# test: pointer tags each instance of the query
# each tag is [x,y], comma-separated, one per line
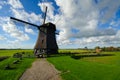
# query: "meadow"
[88,66]
[73,64]
[14,70]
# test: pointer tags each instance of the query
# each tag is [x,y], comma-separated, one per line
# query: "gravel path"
[41,70]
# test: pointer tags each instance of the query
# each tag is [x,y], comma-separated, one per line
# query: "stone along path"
[41,70]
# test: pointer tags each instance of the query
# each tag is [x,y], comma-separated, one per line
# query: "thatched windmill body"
[46,42]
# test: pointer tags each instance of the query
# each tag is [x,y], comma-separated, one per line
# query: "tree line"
[111,48]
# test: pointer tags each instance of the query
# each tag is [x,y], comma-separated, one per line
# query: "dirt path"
[41,70]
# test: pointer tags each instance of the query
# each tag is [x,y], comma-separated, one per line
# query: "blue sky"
[82,23]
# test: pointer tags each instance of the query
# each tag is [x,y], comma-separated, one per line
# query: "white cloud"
[29,30]
[3,20]
[14,32]
[91,42]
[108,9]
[15,3]
[73,14]
[118,34]
[84,16]
[18,11]
[50,10]
[2,37]
[23,15]
[115,23]
[14,43]
[0,7]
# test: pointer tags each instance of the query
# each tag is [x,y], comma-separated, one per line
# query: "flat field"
[72,64]
[88,66]
[10,52]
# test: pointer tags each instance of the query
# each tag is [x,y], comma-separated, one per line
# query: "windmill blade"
[27,23]
[24,22]
[45,15]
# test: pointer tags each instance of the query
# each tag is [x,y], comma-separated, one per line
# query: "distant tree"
[86,48]
[97,47]
[111,48]
[104,48]
[118,48]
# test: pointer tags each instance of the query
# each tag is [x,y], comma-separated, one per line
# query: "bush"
[17,55]
[4,57]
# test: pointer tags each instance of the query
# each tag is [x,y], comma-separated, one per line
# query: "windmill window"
[42,41]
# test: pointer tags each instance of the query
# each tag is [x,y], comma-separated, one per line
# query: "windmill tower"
[46,42]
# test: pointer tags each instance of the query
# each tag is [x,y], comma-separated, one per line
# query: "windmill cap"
[48,25]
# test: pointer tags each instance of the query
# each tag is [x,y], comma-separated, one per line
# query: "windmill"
[46,41]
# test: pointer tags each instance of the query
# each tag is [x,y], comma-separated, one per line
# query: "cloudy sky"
[82,23]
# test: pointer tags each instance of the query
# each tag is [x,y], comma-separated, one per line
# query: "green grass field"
[89,67]
[73,64]
[15,70]
[11,52]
